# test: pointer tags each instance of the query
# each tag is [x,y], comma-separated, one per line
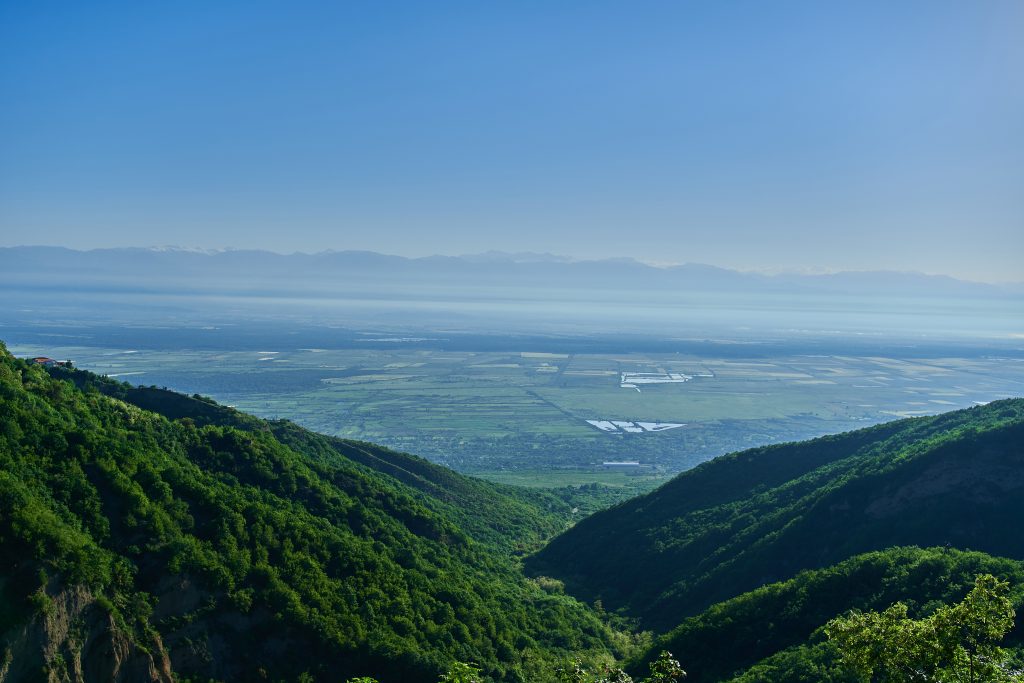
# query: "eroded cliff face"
[76,640]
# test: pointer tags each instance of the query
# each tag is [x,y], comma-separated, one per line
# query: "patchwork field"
[551,419]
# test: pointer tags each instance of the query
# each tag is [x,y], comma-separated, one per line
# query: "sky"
[761,136]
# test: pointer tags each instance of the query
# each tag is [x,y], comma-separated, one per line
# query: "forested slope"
[743,520]
[774,633]
[229,548]
[510,517]
[147,535]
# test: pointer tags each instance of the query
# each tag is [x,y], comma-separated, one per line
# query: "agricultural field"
[554,419]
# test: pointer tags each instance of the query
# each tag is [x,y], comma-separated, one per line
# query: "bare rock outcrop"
[75,639]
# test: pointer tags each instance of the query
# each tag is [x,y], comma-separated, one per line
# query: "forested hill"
[513,518]
[214,545]
[775,632]
[762,515]
[150,536]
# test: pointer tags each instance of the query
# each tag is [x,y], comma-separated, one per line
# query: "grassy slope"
[763,515]
[261,550]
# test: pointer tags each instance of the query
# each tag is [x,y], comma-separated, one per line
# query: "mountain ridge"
[171,268]
[732,524]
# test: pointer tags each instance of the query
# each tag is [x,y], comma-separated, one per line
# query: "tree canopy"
[957,643]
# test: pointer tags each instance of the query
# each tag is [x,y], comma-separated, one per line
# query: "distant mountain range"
[247,272]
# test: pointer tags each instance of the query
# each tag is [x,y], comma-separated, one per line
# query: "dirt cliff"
[73,638]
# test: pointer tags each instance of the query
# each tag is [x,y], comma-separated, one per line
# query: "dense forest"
[149,535]
[250,550]
[778,632]
[762,515]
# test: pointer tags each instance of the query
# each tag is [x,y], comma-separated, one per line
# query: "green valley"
[528,417]
[762,515]
[512,342]
[152,535]
[223,547]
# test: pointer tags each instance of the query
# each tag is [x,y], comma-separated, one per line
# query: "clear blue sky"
[763,135]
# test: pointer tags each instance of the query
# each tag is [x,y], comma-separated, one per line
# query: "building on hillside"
[51,363]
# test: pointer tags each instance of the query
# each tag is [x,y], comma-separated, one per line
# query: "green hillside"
[224,547]
[751,518]
[774,633]
[510,517]
[150,536]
